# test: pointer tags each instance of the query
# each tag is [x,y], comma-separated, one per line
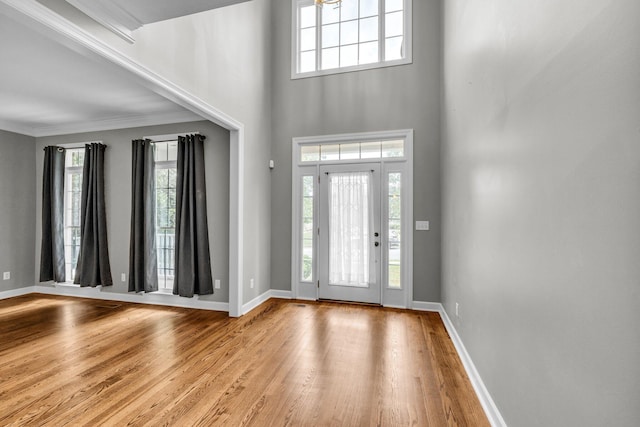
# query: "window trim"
[295,42]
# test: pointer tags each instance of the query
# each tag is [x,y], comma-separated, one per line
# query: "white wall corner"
[489,406]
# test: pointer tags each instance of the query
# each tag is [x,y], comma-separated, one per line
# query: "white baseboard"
[260,299]
[426,306]
[255,302]
[277,293]
[16,292]
[489,406]
[137,298]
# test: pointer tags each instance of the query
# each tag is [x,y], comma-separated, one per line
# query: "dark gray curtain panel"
[93,267]
[192,260]
[52,247]
[143,261]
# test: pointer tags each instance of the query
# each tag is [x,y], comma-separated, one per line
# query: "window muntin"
[355,34]
[74,162]
[166,156]
[332,152]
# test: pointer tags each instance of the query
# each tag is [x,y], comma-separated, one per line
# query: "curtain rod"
[168,137]
[72,145]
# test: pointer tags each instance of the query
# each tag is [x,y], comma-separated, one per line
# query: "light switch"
[422,225]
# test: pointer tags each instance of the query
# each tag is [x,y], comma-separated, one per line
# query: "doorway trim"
[390,297]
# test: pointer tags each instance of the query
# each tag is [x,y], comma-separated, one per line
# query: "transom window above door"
[349,36]
[352,150]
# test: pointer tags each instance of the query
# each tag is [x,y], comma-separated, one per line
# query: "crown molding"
[116,123]
[110,16]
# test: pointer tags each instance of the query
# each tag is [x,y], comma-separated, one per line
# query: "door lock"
[376,244]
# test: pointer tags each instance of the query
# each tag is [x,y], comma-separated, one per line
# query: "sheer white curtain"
[350,222]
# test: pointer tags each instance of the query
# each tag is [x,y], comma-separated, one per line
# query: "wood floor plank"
[70,361]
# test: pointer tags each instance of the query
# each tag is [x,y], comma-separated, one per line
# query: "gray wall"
[382,99]
[118,194]
[541,204]
[17,210]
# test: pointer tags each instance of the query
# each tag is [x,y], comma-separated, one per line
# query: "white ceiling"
[48,89]
[148,11]
[124,16]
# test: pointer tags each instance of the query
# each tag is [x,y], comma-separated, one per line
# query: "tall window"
[352,35]
[166,156]
[394,231]
[74,162]
[307,235]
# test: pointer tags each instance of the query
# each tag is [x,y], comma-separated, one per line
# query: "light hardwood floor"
[70,361]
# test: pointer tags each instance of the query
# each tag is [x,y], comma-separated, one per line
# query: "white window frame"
[391,297]
[163,164]
[173,137]
[68,170]
[295,42]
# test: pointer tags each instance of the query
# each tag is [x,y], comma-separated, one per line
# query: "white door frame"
[391,297]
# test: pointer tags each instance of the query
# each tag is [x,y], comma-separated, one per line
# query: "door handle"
[376,234]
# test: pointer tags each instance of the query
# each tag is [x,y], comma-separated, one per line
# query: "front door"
[349,233]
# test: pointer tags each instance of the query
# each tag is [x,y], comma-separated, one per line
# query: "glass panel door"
[350,233]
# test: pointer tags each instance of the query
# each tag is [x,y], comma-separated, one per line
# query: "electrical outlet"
[123,277]
[422,225]
[457,310]
[6,275]
[217,283]
[251,283]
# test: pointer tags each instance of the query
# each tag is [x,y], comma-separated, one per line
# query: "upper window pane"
[364,33]
[308,61]
[368,8]
[307,16]
[393,48]
[349,151]
[330,152]
[330,35]
[393,5]
[308,39]
[349,32]
[368,29]
[393,148]
[370,150]
[330,14]
[310,153]
[348,10]
[352,151]
[393,24]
